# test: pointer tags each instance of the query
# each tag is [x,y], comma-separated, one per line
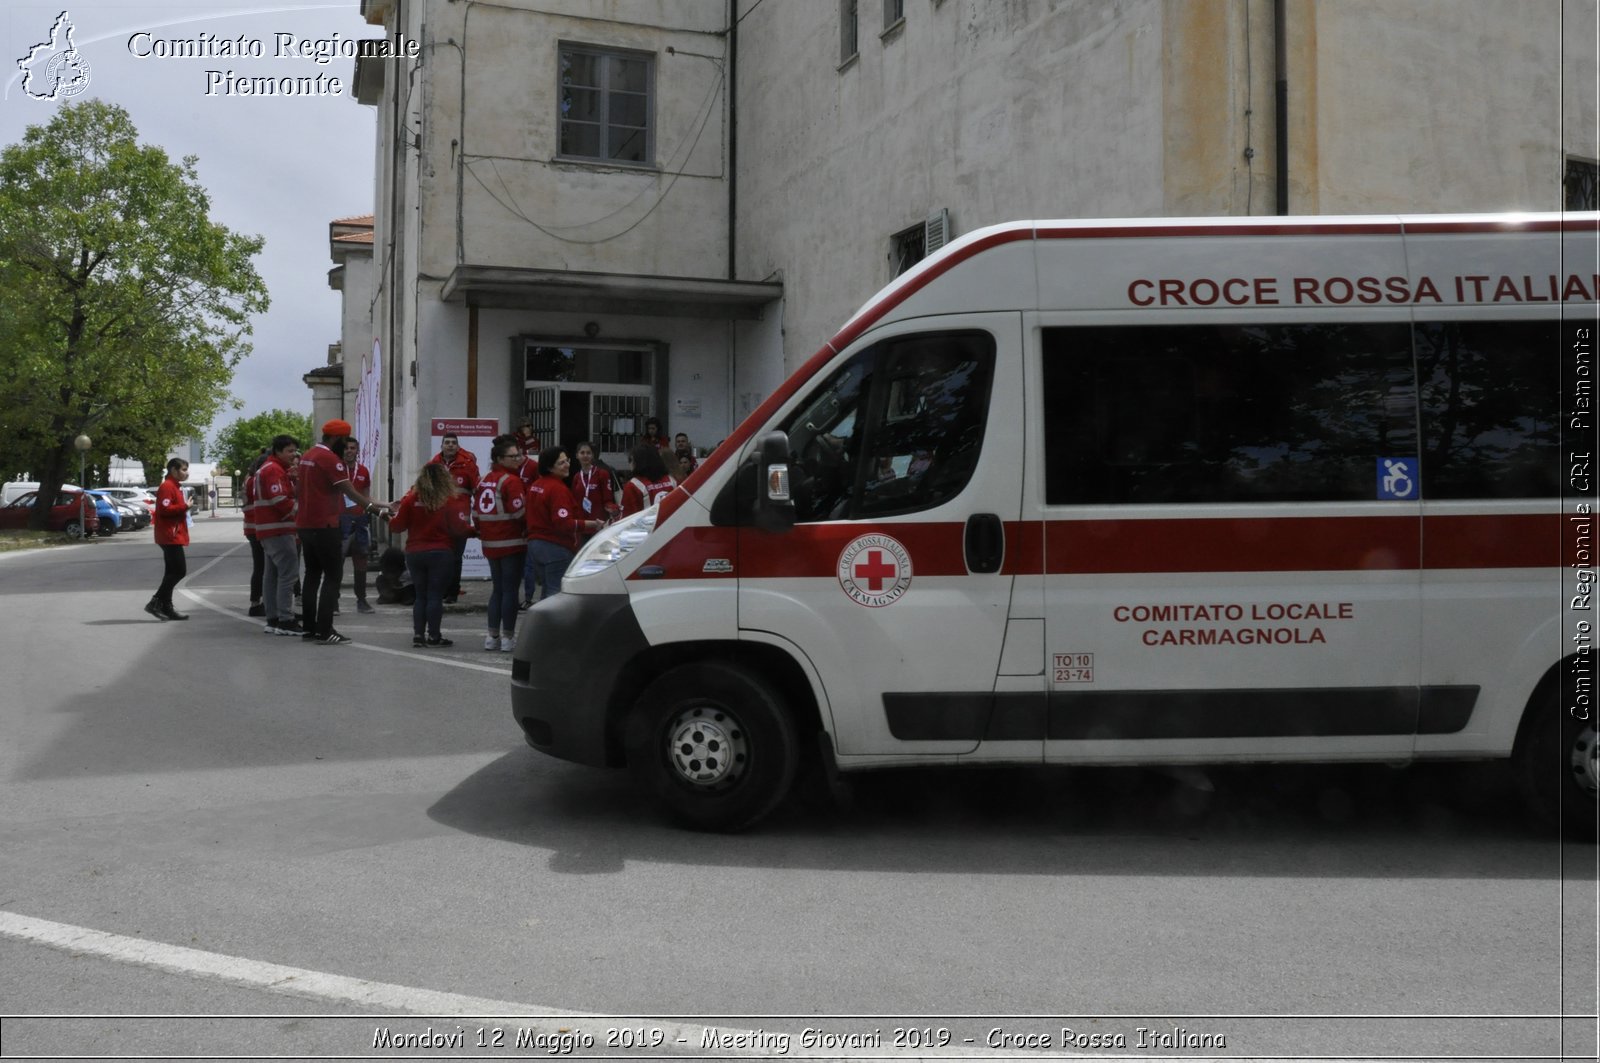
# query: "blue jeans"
[430,571]
[551,561]
[503,599]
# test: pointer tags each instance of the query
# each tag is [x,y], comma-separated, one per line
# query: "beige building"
[594,210]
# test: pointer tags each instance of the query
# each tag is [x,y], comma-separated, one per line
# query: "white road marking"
[372,998]
[376,997]
[198,598]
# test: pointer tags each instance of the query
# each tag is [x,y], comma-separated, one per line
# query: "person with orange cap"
[324,477]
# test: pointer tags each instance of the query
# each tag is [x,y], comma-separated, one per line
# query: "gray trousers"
[277,581]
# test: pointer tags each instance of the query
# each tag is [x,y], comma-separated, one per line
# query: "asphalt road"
[222,844]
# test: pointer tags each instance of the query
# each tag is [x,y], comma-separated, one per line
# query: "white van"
[1125,492]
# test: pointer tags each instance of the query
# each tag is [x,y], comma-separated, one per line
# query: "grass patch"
[28,540]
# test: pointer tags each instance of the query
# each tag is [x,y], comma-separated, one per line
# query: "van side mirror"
[774,503]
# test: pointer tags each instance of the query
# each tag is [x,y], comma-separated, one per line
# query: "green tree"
[123,307]
[239,444]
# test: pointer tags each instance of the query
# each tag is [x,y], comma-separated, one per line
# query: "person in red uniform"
[654,436]
[650,483]
[687,462]
[433,514]
[258,560]
[172,535]
[355,527]
[464,470]
[275,531]
[498,507]
[592,486]
[527,438]
[323,478]
[554,521]
[528,472]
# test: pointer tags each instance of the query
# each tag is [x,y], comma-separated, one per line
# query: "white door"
[896,580]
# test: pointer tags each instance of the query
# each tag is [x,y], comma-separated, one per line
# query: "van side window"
[1489,401]
[1224,413]
[897,429]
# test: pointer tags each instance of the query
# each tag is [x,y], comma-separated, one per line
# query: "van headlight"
[612,544]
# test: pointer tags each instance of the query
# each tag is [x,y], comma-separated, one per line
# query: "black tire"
[1556,768]
[714,744]
[73,529]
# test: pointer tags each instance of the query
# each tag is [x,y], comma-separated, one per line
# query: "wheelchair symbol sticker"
[1397,478]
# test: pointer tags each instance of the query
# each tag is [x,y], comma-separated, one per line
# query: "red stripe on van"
[1229,544]
[1149,545]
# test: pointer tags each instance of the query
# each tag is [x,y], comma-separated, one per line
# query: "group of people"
[312,507]
[532,511]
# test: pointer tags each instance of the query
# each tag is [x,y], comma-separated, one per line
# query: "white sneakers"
[508,643]
[491,642]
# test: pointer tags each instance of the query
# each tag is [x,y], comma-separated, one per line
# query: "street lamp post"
[83,443]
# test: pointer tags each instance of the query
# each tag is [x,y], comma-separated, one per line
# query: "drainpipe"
[733,130]
[1281,117]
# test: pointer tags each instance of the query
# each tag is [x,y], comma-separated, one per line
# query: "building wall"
[1007,109]
[1436,105]
[521,206]
[995,110]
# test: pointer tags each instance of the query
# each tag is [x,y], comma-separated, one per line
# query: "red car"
[73,513]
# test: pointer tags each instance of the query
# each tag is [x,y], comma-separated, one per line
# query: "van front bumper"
[570,650]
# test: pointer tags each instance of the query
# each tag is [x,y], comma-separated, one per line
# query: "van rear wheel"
[1557,767]
[714,743]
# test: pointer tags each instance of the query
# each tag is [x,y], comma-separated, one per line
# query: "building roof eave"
[609,293]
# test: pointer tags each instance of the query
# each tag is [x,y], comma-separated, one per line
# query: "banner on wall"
[476,434]
[368,421]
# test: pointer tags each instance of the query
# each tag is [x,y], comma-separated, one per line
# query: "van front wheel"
[714,743]
[1557,766]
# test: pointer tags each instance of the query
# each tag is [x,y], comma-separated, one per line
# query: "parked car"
[110,516]
[132,516]
[71,513]
[142,495]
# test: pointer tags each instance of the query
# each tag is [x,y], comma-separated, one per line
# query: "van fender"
[1501,705]
[819,692]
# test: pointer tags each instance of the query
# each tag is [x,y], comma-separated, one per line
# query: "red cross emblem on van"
[875,570]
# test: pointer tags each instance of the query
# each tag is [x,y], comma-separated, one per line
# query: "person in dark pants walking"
[324,477]
[172,535]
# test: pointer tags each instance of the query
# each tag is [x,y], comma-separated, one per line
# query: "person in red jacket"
[258,560]
[172,535]
[324,477]
[554,520]
[650,483]
[464,470]
[275,531]
[592,486]
[433,514]
[498,507]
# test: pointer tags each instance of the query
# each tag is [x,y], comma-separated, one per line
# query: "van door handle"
[985,542]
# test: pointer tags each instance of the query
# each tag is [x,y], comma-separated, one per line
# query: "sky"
[280,167]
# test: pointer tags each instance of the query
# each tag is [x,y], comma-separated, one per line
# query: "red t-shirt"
[172,514]
[321,500]
[591,490]
[361,480]
[552,515]
[431,529]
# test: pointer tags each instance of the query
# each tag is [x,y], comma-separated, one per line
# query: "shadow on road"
[1458,820]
